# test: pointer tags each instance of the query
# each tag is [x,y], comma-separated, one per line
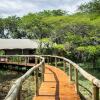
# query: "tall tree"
[91,7]
[12,27]
[2,35]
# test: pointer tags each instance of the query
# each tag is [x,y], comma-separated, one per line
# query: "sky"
[23,7]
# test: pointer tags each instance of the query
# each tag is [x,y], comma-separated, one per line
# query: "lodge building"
[19,46]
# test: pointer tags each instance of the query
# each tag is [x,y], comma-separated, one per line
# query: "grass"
[7,78]
[84,82]
[85,18]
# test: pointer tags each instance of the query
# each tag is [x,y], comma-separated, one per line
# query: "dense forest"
[76,36]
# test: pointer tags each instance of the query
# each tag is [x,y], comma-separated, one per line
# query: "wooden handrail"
[13,94]
[89,77]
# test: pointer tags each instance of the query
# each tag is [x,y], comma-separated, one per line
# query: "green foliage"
[59,46]
[91,7]
[92,50]
[12,27]
[58,12]
[2,52]
[76,36]
[59,49]
[2,35]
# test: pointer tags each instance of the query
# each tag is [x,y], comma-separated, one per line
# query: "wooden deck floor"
[56,86]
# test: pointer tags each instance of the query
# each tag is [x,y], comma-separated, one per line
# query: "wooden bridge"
[55,83]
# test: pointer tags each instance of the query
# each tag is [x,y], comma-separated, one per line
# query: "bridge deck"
[56,86]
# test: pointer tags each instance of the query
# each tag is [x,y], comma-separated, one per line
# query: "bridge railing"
[16,88]
[77,70]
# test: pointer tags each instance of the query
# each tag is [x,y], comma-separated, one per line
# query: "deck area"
[56,86]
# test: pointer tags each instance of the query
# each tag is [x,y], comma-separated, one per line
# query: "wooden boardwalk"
[56,86]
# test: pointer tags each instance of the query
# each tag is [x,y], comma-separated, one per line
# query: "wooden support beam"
[64,65]
[76,81]
[19,93]
[37,82]
[43,70]
[36,60]
[55,62]
[95,94]
[70,72]
[48,60]
[26,61]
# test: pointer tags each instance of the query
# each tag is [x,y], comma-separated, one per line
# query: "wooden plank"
[56,86]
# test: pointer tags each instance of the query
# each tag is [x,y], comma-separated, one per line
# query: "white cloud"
[21,7]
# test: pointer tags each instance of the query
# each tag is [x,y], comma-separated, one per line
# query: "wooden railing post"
[64,65]
[18,59]
[36,61]
[7,59]
[95,95]
[19,94]
[37,82]
[48,60]
[43,71]
[28,60]
[55,62]
[25,60]
[70,72]
[76,81]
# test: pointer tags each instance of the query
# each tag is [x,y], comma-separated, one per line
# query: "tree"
[2,35]
[12,27]
[91,7]
[90,52]
[57,12]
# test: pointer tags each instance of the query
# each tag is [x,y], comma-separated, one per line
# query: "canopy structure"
[18,44]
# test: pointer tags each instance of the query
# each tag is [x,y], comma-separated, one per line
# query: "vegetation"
[75,36]
[2,52]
